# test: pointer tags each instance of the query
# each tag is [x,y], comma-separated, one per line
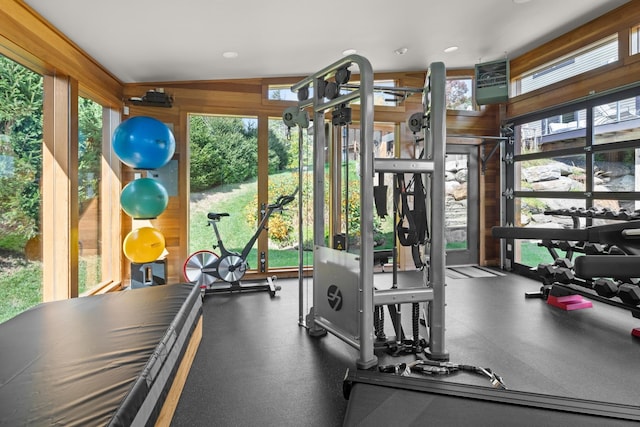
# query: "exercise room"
[339,214]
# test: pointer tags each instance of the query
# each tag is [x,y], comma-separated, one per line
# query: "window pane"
[89,190]
[530,212]
[459,94]
[283,180]
[456,188]
[224,167]
[617,121]
[562,173]
[21,113]
[634,42]
[618,210]
[284,93]
[615,170]
[591,57]
[552,133]
[383,145]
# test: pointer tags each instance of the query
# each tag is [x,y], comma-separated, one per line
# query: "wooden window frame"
[60,194]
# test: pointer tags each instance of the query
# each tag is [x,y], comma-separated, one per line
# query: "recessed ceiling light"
[451,49]
[521,1]
[347,52]
[401,51]
[230,54]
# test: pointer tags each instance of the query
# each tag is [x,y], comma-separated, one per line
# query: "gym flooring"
[256,366]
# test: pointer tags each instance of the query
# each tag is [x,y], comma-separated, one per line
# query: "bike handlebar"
[283,200]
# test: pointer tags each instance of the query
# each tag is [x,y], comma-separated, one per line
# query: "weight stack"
[148,274]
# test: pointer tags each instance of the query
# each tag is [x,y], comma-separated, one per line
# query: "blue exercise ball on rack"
[143,143]
[144,198]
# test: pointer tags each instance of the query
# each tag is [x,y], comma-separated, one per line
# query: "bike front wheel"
[195,268]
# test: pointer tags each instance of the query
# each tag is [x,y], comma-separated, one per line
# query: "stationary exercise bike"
[205,268]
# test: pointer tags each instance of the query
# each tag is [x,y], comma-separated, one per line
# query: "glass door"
[461,219]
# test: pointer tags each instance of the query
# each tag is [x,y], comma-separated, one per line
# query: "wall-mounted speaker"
[492,82]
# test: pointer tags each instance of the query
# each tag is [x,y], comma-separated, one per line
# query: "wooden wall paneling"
[620,73]
[484,122]
[182,251]
[20,25]
[490,211]
[576,88]
[59,189]
[263,184]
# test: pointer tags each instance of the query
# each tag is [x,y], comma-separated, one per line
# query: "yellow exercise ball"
[144,244]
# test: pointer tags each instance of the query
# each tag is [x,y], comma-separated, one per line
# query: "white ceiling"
[169,40]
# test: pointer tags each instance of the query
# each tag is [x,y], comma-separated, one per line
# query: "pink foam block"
[569,302]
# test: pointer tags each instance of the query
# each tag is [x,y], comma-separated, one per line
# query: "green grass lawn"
[235,230]
[20,289]
[532,254]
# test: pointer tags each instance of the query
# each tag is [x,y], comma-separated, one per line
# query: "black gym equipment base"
[232,287]
[377,399]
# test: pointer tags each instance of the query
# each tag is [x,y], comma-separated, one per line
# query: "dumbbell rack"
[560,279]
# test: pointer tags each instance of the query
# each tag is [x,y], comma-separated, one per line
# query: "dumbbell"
[563,275]
[563,263]
[623,214]
[629,294]
[614,250]
[563,245]
[592,211]
[605,287]
[545,271]
[563,270]
[594,248]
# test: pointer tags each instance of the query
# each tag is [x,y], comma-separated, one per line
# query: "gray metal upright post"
[367,358]
[438,128]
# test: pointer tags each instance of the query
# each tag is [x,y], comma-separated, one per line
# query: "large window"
[21,114]
[581,157]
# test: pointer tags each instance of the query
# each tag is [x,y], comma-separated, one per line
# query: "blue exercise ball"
[144,198]
[143,143]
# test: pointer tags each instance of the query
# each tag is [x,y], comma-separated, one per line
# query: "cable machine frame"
[331,266]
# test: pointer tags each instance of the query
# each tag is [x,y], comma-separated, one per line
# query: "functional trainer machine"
[344,291]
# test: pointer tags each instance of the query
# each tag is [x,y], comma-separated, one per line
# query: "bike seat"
[216,216]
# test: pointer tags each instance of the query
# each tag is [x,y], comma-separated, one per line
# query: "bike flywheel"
[196,265]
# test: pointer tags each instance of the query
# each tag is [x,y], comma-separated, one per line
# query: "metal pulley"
[416,122]
[294,116]
[289,116]
[332,90]
[319,87]
[303,93]
[342,76]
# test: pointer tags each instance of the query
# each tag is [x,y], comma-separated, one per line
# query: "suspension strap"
[414,233]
